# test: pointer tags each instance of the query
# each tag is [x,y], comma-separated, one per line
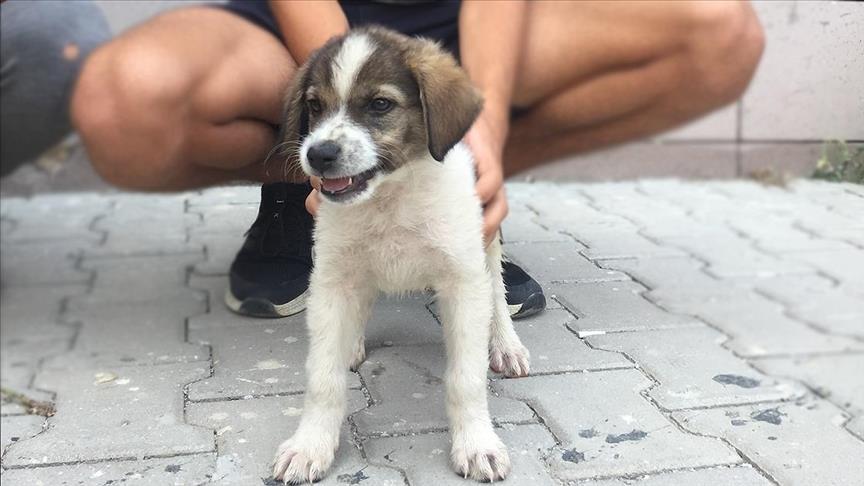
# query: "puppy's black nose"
[323,155]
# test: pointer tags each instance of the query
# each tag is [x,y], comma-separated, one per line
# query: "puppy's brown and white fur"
[379,116]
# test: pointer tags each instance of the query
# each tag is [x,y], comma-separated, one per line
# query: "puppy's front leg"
[335,316]
[477,452]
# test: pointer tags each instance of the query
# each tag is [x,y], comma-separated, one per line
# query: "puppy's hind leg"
[477,452]
[507,355]
[334,318]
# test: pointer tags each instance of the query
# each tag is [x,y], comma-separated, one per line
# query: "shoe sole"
[532,305]
[264,308]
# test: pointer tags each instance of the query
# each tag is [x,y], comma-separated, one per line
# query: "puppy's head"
[367,103]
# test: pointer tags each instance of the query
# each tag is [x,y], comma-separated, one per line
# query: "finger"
[316,182]
[489,182]
[312,202]
[493,214]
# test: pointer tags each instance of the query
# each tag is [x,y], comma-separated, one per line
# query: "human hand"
[486,141]
[314,197]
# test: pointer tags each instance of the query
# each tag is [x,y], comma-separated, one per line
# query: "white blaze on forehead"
[353,54]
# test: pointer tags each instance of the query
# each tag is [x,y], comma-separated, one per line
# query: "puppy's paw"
[481,457]
[300,461]
[359,355]
[512,360]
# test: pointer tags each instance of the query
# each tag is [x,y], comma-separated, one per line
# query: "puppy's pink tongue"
[336,185]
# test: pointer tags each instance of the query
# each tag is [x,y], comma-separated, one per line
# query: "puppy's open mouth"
[344,188]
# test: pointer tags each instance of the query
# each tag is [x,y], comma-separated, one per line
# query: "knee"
[726,47]
[126,106]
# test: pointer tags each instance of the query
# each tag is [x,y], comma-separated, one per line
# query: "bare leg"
[186,100]
[507,355]
[335,317]
[597,73]
[477,452]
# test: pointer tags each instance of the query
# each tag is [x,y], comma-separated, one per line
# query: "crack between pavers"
[729,444]
[108,459]
[640,475]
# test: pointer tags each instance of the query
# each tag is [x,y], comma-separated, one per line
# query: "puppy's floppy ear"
[295,118]
[449,101]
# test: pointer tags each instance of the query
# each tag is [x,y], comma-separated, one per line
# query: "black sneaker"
[270,274]
[524,295]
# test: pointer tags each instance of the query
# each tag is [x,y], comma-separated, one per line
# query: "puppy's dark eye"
[380,105]
[313,105]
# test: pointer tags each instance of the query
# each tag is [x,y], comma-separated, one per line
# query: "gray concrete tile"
[836,378]
[186,470]
[555,348]
[425,458]
[402,322]
[228,219]
[846,266]
[614,306]
[679,279]
[757,326]
[132,334]
[838,309]
[249,431]
[220,250]
[559,262]
[140,278]
[801,443]
[118,413]
[521,226]
[742,475]
[602,437]
[55,217]
[233,194]
[33,314]
[694,370]
[19,362]
[406,385]
[20,427]
[809,64]
[49,262]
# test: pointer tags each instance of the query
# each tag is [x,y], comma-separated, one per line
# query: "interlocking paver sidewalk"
[696,333]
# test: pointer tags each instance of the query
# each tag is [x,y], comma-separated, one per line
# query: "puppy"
[379,118]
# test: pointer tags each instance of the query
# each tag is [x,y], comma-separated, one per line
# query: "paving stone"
[613,307]
[132,334]
[742,475]
[800,443]
[834,377]
[406,385]
[114,413]
[146,225]
[833,308]
[603,437]
[251,356]
[50,262]
[33,315]
[187,470]
[425,458]
[773,236]
[758,327]
[845,266]
[140,278]
[402,322]
[220,250]
[234,194]
[20,427]
[559,262]
[554,348]
[678,279]
[616,244]
[19,362]
[735,258]
[232,219]
[521,226]
[249,431]
[55,217]
[693,370]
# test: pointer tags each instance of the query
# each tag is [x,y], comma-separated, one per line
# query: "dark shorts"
[436,20]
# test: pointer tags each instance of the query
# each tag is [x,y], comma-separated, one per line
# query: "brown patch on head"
[450,102]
